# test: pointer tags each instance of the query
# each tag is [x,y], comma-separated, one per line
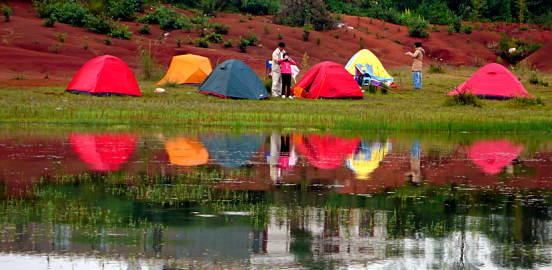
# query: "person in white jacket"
[276,70]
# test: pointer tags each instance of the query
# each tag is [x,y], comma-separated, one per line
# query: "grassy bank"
[402,109]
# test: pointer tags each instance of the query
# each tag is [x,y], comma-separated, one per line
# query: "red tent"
[105,152]
[493,156]
[326,151]
[329,80]
[492,81]
[104,75]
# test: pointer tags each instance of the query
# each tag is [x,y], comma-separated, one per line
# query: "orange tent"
[186,151]
[187,69]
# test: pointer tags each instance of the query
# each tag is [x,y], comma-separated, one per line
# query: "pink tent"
[492,81]
[492,156]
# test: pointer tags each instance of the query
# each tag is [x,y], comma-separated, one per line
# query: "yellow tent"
[363,57]
[364,162]
[187,68]
[186,152]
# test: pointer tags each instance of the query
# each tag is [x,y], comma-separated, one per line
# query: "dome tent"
[187,69]
[364,57]
[492,81]
[234,79]
[329,80]
[103,76]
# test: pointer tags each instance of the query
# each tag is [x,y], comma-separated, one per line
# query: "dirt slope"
[25,47]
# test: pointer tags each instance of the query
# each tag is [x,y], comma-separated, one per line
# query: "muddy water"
[273,200]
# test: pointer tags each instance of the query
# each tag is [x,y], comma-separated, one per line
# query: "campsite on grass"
[153,134]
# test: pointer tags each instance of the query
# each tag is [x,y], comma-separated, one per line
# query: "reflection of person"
[273,156]
[276,72]
[415,174]
[417,57]
[285,65]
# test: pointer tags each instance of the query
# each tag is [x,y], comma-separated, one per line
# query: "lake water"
[204,199]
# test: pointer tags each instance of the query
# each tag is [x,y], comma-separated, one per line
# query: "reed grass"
[403,109]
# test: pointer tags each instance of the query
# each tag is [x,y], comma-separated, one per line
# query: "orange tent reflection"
[186,151]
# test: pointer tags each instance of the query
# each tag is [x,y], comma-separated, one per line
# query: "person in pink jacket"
[285,65]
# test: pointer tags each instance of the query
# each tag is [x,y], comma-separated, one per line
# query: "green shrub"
[55,48]
[107,41]
[220,28]
[306,34]
[61,36]
[148,64]
[167,18]
[301,12]
[249,16]
[523,102]
[417,27]
[266,29]
[71,13]
[463,100]
[228,43]
[209,7]
[97,24]
[318,40]
[280,36]
[178,42]
[467,28]
[202,42]
[214,38]
[6,11]
[268,85]
[258,7]
[252,39]
[125,9]
[145,29]
[50,21]
[190,41]
[398,41]
[241,19]
[437,68]
[336,35]
[242,44]
[534,79]
[120,31]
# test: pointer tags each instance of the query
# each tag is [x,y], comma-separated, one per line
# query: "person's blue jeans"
[417,79]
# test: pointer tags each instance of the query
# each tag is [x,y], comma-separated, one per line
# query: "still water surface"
[273,200]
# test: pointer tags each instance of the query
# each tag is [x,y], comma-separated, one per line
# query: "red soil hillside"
[25,42]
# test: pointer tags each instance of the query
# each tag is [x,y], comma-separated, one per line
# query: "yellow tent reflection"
[367,158]
[186,151]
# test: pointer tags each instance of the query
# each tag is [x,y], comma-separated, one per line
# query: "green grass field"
[402,109]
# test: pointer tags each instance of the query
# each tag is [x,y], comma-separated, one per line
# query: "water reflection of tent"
[106,152]
[493,156]
[326,151]
[232,150]
[367,158]
[186,151]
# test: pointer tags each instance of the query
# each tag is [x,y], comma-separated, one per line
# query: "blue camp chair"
[268,68]
[363,78]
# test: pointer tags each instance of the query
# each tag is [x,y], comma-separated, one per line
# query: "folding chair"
[268,69]
[363,78]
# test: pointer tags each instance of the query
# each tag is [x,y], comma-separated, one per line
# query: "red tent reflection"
[326,151]
[106,152]
[493,156]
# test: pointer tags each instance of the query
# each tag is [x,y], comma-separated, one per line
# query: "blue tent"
[232,150]
[234,79]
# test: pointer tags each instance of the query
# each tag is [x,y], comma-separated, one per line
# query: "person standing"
[276,71]
[417,57]
[285,70]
